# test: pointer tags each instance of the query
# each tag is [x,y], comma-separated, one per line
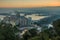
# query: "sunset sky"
[28,3]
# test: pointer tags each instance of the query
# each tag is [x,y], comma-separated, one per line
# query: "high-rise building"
[18,19]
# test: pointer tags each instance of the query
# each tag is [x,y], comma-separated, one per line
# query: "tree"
[56,25]
[29,34]
[33,32]
[6,32]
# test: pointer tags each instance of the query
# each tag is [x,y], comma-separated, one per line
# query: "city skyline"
[28,3]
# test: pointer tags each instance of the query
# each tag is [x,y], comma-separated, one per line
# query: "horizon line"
[30,7]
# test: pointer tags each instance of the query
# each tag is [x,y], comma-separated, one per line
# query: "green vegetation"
[7,32]
[49,34]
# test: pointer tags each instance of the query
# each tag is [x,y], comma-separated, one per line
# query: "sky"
[28,3]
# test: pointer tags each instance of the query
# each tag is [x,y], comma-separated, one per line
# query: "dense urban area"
[18,26]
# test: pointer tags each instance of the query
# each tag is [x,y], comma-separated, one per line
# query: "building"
[17,19]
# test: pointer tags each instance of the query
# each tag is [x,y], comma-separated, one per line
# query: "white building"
[17,20]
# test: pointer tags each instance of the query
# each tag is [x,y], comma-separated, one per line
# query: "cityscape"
[33,21]
[29,19]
